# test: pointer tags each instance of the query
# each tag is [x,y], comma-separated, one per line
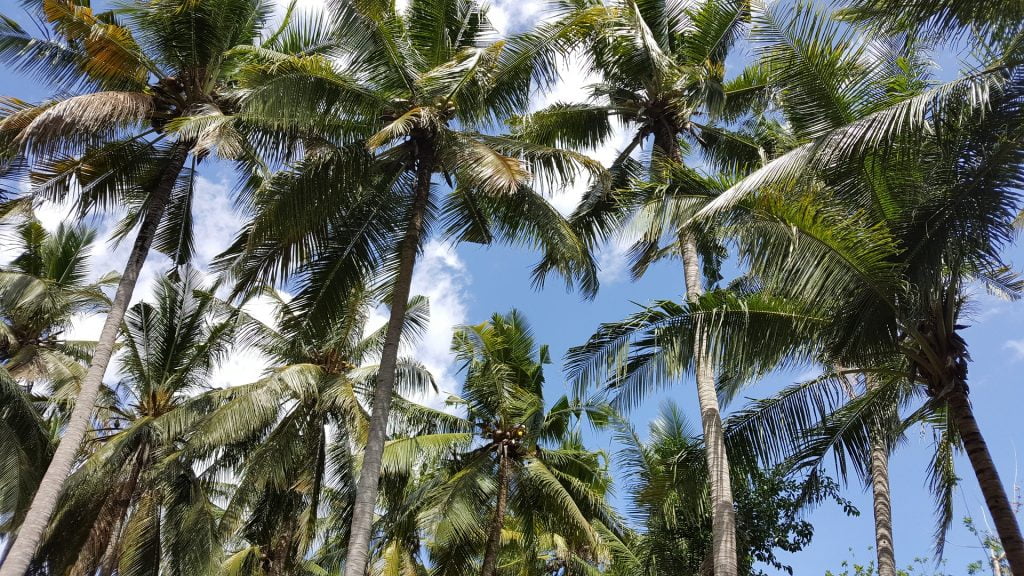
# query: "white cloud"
[613,262]
[240,367]
[1016,347]
[301,5]
[245,365]
[215,221]
[442,277]
[573,87]
[511,16]
[86,327]
[52,214]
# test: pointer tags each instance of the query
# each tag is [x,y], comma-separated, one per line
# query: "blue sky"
[469,283]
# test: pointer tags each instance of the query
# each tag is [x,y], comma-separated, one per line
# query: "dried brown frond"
[89,115]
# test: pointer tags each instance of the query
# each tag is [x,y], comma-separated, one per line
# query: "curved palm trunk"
[490,564]
[988,478]
[369,476]
[45,500]
[723,514]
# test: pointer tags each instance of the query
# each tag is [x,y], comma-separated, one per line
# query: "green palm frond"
[655,347]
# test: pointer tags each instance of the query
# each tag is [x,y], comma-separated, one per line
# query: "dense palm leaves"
[512,473]
[136,503]
[291,437]
[860,200]
[124,81]
[668,488]
[662,66]
[41,292]
[902,243]
[414,98]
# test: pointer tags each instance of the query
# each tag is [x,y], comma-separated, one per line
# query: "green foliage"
[556,488]
[135,491]
[43,288]
[669,498]
[861,198]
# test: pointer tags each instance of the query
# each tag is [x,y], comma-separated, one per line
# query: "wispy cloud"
[1016,347]
[442,277]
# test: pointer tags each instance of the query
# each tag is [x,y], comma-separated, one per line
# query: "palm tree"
[808,62]
[41,291]
[510,470]
[858,416]
[662,65]
[920,327]
[834,105]
[909,225]
[135,73]
[135,503]
[415,99]
[940,21]
[669,493]
[290,437]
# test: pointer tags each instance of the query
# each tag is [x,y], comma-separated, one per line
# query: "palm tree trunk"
[369,476]
[882,507]
[45,499]
[490,565]
[880,494]
[988,479]
[723,513]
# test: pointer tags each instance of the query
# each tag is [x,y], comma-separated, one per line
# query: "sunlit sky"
[466,284]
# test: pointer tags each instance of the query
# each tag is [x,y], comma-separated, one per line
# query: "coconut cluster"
[506,435]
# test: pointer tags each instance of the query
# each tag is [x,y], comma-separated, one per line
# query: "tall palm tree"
[133,73]
[895,210]
[510,469]
[136,504]
[805,61]
[662,67]
[41,291]
[403,98]
[833,105]
[291,436]
[910,227]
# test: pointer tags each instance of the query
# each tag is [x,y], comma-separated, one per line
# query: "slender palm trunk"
[881,503]
[988,479]
[723,514]
[881,499]
[490,565]
[369,475]
[45,499]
